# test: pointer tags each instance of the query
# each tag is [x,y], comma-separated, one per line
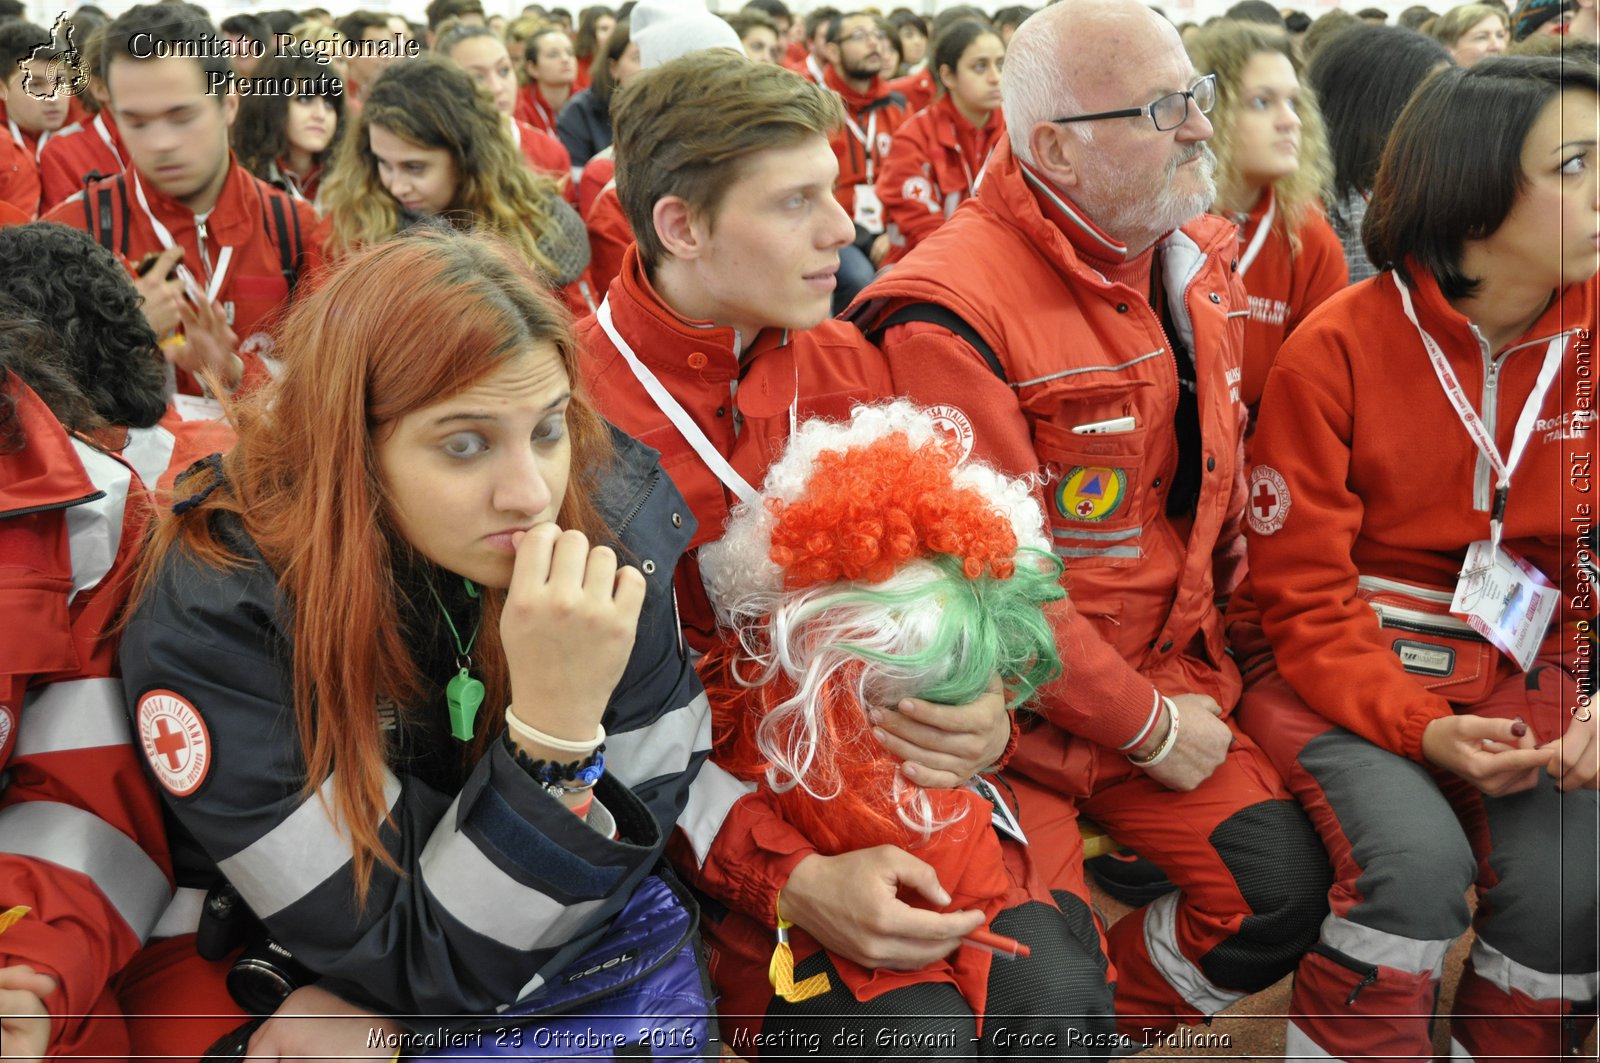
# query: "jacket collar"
[659,334]
[1572,307]
[231,222]
[952,130]
[1087,238]
[46,473]
[877,91]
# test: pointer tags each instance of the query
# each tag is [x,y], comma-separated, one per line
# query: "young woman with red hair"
[416,521]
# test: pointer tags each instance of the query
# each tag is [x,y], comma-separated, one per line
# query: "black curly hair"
[60,276]
[31,352]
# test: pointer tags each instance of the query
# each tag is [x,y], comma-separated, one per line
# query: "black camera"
[265,973]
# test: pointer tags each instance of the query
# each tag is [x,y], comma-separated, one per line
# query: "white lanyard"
[16,134]
[1260,238]
[291,185]
[105,138]
[1503,468]
[866,138]
[966,168]
[224,257]
[678,415]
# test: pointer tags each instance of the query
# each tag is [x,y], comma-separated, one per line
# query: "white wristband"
[533,734]
[1168,744]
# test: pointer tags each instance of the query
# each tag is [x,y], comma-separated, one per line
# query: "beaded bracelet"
[555,773]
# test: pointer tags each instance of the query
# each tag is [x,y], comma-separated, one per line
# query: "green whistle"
[463,694]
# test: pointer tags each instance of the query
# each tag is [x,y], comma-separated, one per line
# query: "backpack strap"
[127,218]
[944,317]
[290,254]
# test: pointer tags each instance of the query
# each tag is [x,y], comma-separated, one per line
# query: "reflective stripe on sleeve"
[482,897]
[662,748]
[76,714]
[299,854]
[83,842]
[711,796]
[94,529]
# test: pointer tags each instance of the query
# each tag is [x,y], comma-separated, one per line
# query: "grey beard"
[1140,223]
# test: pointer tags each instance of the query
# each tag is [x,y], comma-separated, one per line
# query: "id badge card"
[197,408]
[869,209]
[1506,600]
[1005,822]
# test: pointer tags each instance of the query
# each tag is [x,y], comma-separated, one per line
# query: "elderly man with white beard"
[1080,321]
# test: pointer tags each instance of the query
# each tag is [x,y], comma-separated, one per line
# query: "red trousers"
[1251,874]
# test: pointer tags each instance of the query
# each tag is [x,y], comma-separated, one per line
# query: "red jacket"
[254,291]
[863,144]
[918,89]
[1284,286]
[933,166]
[701,366]
[610,236]
[733,843]
[19,178]
[75,153]
[534,110]
[799,59]
[1078,349]
[1361,470]
[81,837]
[545,154]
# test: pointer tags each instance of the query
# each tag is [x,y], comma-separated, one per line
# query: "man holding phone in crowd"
[217,252]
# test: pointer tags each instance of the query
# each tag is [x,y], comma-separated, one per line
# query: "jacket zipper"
[639,501]
[1394,586]
[1399,618]
[1489,411]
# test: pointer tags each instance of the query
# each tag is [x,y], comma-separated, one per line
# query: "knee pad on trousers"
[1283,874]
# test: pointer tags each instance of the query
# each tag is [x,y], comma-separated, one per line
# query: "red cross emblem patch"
[953,429]
[1266,504]
[175,741]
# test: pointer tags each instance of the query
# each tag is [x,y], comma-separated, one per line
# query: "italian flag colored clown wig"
[879,565]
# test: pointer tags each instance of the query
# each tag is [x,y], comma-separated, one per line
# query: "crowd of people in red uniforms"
[1304,393]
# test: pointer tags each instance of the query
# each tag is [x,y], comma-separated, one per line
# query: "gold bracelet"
[1168,743]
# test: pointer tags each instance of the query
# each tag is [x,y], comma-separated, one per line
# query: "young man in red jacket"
[857,54]
[87,150]
[34,100]
[220,250]
[712,343]
[1082,317]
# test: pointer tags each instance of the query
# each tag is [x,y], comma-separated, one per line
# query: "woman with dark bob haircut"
[1416,629]
[422,514]
[1362,78]
[287,138]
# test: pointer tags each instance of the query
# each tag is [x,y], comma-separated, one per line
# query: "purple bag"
[639,993]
